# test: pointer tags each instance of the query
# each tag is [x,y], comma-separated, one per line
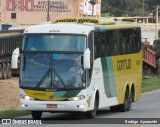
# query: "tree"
[125,7]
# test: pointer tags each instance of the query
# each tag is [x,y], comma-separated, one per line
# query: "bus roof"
[60,28]
[81,25]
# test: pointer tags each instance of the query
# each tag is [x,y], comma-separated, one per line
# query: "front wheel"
[36,114]
[92,113]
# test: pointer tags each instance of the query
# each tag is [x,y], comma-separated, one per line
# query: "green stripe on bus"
[71,93]
[108,77]
[60,94]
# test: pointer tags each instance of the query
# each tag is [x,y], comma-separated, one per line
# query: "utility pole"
[17,12]
[143,8]
[48,16]
[92,2]
[156,36]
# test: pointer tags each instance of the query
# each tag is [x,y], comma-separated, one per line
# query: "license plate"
[51,105]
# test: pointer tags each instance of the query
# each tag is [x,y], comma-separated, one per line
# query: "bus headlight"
[25,97]
[77,98]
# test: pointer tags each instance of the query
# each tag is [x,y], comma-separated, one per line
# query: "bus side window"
[122,42]
[137,39]
[127,40]
[96,45]
[91,45]
[131,41]
[88,72]
[100,44]
[103,51]
[110,42]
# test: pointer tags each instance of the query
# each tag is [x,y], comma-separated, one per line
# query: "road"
[147,107]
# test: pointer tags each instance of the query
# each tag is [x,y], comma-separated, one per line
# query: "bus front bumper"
[33,105]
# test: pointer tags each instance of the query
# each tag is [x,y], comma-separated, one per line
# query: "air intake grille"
[99,21]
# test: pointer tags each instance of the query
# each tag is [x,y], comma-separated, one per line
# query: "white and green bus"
[80,65]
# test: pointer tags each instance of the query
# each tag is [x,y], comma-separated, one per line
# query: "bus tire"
[4,72]
[91,114]
[9,70]
[130,101]
[36,114]
[0,71]
[124,107]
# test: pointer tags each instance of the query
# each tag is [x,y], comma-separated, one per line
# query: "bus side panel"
[128,71]
[104,82]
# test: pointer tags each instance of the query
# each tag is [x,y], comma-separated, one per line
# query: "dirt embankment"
[9,94]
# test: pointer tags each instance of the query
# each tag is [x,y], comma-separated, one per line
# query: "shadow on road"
[77,118]
[74,115]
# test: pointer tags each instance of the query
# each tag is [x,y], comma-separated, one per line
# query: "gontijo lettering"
[40,94]
[124,64]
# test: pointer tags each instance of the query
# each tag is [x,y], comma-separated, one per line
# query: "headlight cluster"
[77,98]
[25,97]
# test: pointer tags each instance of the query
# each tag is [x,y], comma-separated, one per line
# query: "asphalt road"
[146,109]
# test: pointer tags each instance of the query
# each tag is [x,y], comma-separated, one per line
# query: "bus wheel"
[36,114]
[92,113]
[9,70]
[124,107]
[130,101]
[0,71]
[4,72]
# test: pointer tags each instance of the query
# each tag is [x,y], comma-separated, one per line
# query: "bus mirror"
[20,49]
[86,59]
[15,55]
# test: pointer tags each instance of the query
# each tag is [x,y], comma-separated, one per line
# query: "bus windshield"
[51,71]
[54,42]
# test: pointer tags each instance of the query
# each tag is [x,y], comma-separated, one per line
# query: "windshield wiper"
[60,79]
[50,69]
[43,78]
[46,74]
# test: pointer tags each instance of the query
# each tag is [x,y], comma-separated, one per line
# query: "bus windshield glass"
[51,71]
[54,42]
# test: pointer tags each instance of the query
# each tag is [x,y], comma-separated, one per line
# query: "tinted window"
[54,43]
[117,42]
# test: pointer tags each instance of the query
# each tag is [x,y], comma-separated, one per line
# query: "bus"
[80,65]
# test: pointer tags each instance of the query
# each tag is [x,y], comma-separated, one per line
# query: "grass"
[150,83]
[13,113]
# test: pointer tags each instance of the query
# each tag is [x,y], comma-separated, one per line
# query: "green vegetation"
[119,8]
[151,82]
[13,113]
